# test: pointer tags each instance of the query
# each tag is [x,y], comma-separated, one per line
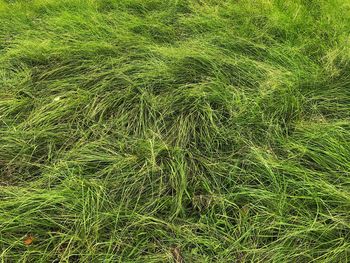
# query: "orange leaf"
[28,240]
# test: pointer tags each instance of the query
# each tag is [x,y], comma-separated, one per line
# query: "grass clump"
[170,131]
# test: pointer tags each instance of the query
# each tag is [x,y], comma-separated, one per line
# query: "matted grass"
[170,131]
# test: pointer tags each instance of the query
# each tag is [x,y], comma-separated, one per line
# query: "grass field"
[175,131]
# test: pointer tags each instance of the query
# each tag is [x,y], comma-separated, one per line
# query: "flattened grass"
[161,131]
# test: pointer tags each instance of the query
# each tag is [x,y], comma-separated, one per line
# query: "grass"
[175,131]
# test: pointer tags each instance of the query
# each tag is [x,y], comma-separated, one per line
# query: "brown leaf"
[28,240]
[177,255]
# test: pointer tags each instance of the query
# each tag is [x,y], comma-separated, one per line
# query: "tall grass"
[170,131]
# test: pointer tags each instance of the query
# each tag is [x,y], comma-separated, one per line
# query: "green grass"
[162,131]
